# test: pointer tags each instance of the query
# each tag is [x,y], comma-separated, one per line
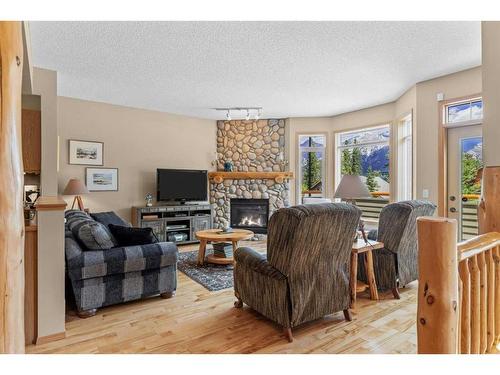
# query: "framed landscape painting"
[102,179]
[86,152]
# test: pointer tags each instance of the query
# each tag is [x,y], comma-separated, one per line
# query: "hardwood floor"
[199,321]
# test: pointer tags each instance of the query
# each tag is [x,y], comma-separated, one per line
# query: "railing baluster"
[483,280]
[496,258]
[464,323]
[475,305]
[490,265]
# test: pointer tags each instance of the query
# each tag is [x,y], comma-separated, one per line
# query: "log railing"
[459,290]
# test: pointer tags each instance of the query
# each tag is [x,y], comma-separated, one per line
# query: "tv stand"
[165,220]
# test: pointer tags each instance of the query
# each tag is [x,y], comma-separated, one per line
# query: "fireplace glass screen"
[252,214]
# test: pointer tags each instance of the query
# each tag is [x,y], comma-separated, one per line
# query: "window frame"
[400,158]
[443,126]
[325,177]
[466,100]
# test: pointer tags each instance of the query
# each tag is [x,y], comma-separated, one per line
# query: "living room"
[180,199]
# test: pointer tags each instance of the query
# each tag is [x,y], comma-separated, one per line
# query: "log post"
[11,191]
[488,211]
[437,314]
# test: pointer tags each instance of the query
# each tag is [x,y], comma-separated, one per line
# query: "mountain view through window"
[366,153]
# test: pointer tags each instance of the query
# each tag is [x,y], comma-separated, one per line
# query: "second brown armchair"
[305,275]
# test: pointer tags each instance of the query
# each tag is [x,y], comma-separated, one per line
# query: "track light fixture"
[248,111]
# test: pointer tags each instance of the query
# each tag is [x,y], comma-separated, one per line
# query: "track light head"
[247,117]
[228,116]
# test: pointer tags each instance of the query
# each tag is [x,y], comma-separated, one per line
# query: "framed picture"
[86,152]
[102,179]
[31,194]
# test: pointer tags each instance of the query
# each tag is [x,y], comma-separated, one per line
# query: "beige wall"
[491,92]
[51,305]
[51,288]
[45,85]
[467,82]
[136,142]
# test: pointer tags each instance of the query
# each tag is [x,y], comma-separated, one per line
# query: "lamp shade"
[350,187]
[75,187]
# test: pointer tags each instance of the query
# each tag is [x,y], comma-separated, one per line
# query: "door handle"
[453,209]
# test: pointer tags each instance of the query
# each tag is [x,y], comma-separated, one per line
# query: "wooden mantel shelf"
[279,177]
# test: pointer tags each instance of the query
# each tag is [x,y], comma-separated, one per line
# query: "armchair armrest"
[251,259]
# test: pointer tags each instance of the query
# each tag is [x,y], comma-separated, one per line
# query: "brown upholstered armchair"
[396,264]
[305,275]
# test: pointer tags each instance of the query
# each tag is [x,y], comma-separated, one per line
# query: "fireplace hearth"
[251,214]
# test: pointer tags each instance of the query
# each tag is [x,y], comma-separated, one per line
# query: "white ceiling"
[291,69]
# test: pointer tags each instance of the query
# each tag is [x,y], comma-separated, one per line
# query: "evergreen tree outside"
[346,162]
[311,170]
[470,167]
[371,183]
[356,161]
[351,161]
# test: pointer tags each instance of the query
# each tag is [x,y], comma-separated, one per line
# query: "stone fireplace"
[255,148]
[251,214]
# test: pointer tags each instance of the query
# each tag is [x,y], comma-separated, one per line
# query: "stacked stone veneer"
[252,146]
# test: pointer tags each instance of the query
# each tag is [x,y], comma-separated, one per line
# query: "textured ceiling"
[289,68]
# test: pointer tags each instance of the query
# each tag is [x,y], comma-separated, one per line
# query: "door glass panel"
[471,162]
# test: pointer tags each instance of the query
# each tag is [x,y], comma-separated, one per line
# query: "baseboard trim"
[50,338]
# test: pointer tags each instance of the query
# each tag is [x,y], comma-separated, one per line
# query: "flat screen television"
[181,185]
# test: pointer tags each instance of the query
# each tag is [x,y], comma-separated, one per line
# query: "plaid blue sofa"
[106,277]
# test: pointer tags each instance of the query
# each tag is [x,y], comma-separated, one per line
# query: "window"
[312,154]
[405,159]
[366,152]
[469,111]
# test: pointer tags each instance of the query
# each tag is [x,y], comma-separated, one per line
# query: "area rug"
[212,276]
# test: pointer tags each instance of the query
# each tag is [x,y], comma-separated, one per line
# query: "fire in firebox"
[251,221]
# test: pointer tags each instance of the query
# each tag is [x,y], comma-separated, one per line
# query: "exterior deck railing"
[371,207]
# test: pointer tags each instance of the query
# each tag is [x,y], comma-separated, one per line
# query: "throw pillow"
[129,236]
[93,235]
[109,217]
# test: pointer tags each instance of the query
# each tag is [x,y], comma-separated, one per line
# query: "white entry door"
[465,145]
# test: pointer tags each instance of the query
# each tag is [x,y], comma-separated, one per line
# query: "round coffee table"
[217,235]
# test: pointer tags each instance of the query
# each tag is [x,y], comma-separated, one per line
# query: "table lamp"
[350,188]
[77,188]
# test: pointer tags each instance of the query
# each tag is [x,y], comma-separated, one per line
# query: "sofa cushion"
[73,217]
[109,217]
[128,236]
[90,234]
[89,264]
[93,235]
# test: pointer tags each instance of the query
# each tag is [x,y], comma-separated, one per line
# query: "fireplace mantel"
[278,177]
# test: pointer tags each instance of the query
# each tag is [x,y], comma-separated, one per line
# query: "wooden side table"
[216,235]
[361,247]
